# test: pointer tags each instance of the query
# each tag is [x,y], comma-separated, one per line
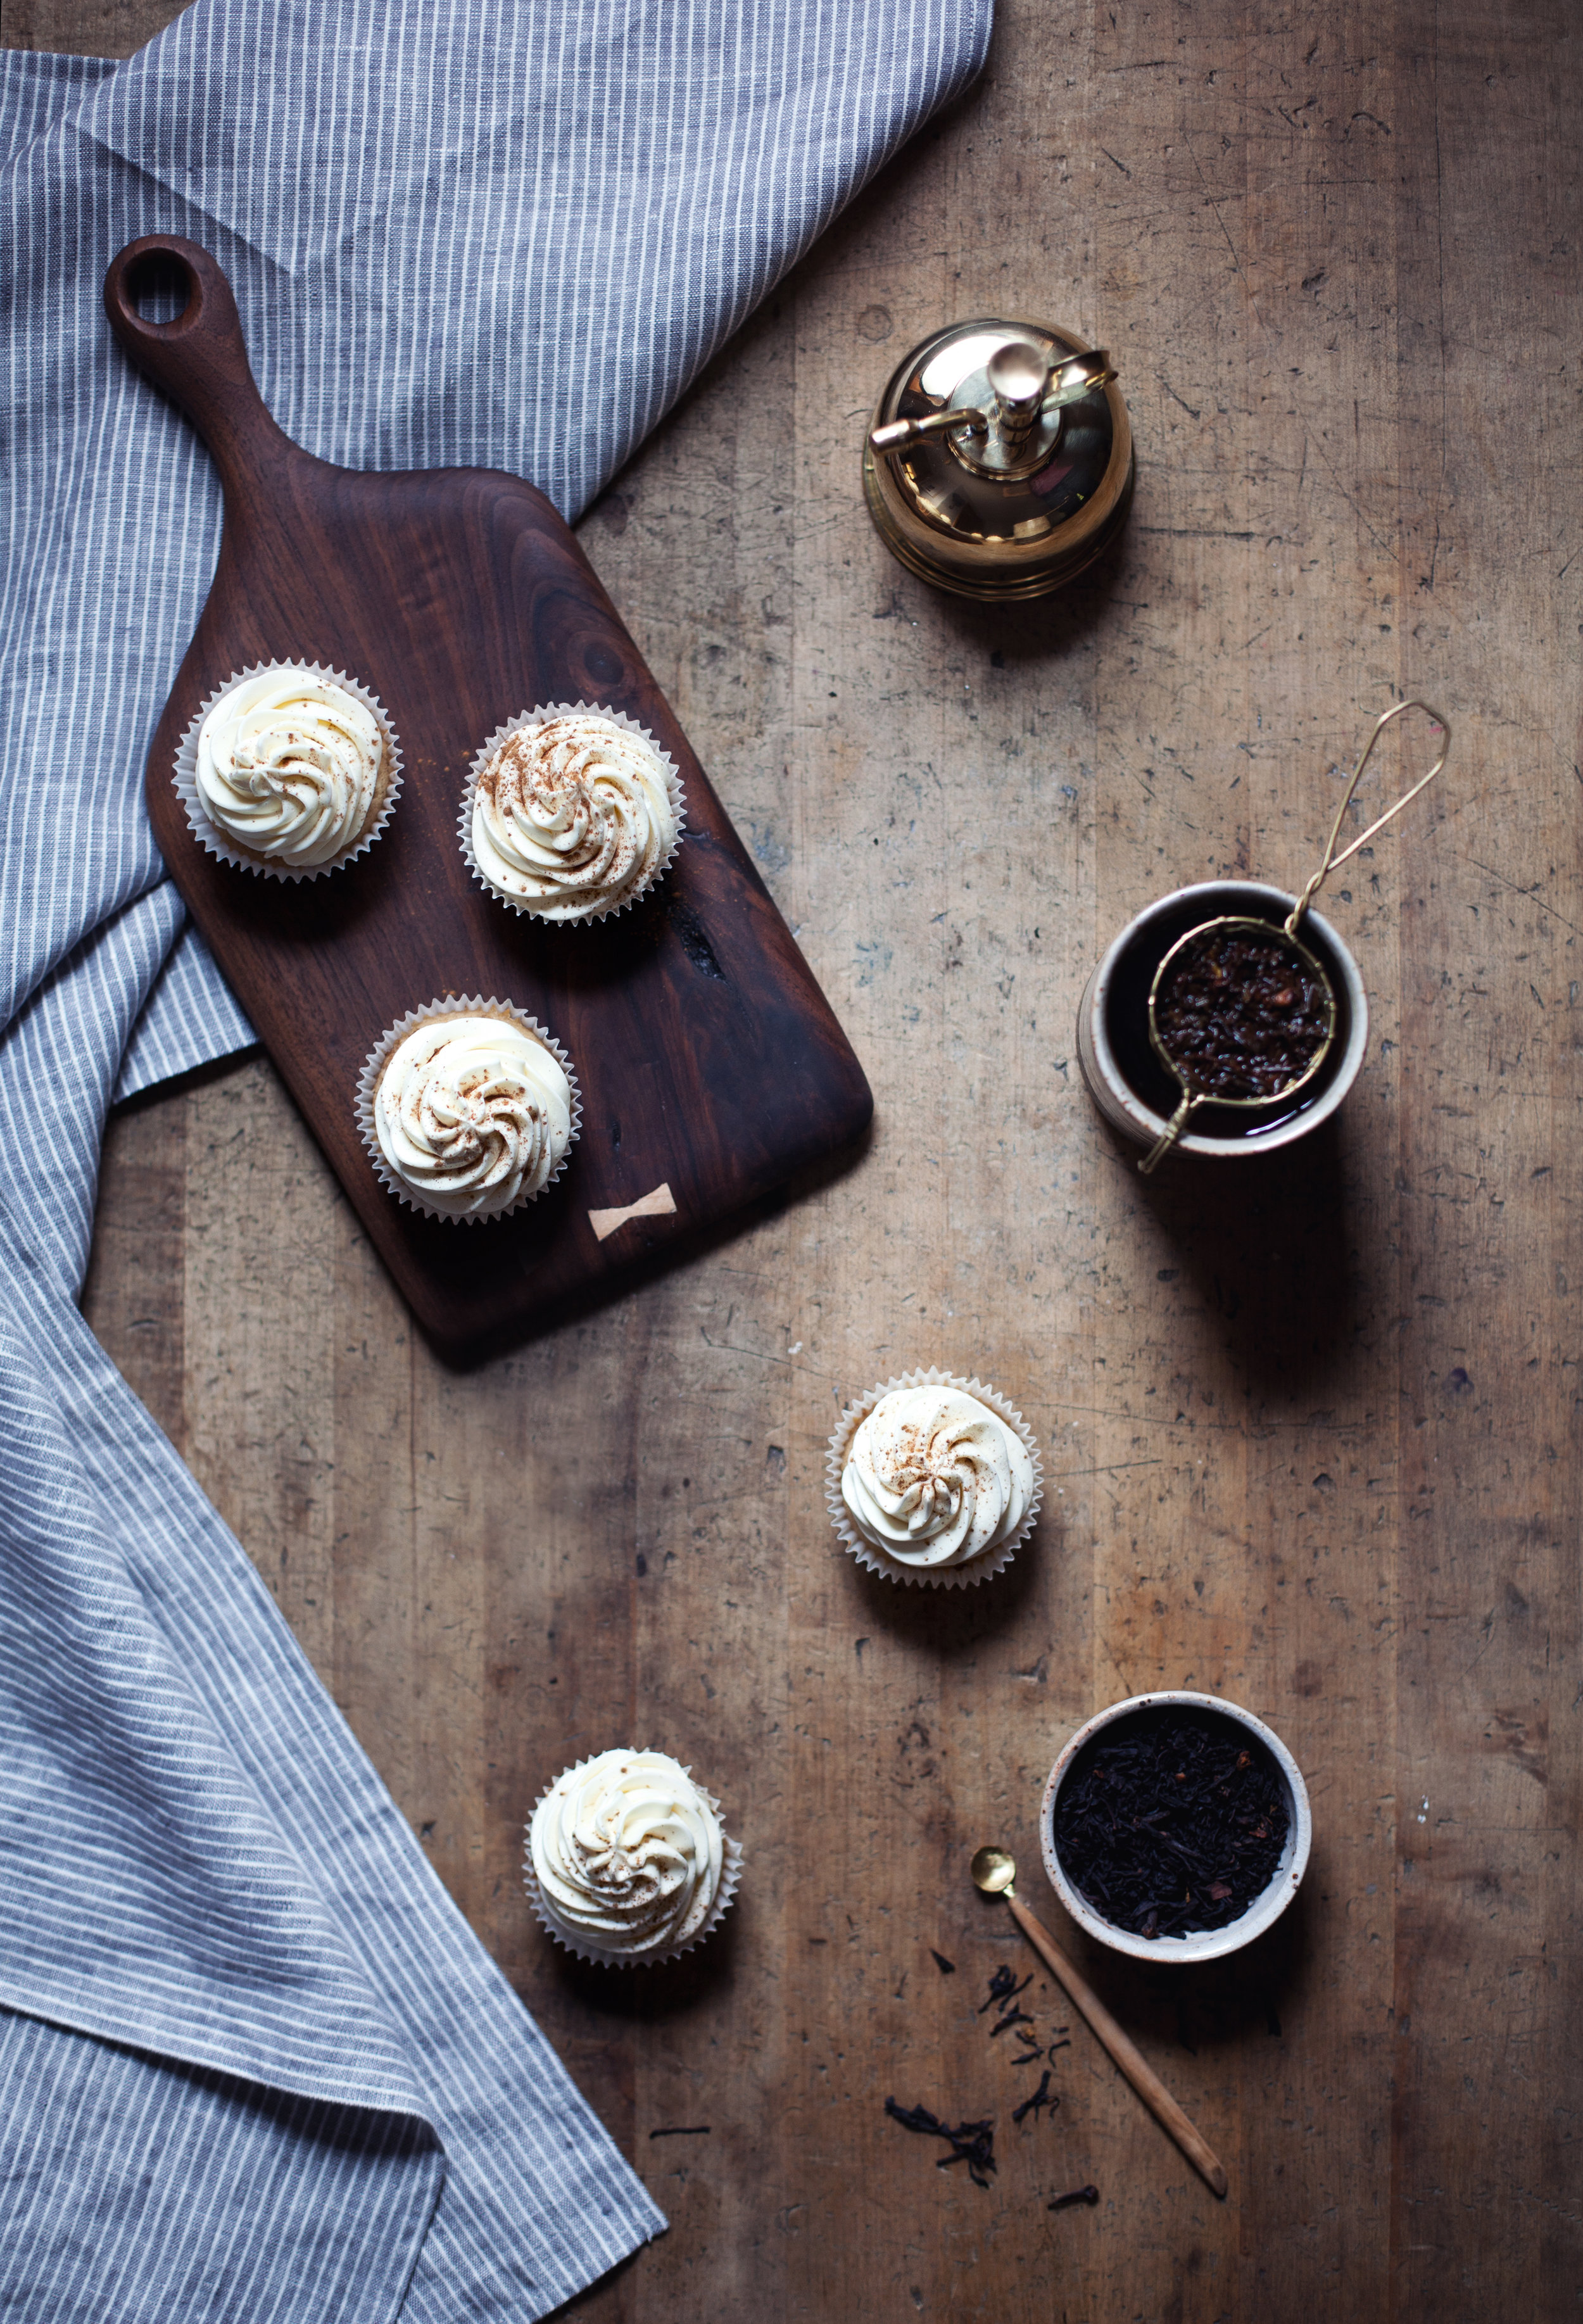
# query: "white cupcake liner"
[539,716]
[982,1568]
[730,1873]
[369,1078]
[218,843]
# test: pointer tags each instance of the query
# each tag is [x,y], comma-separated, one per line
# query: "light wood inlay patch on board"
[658,1204]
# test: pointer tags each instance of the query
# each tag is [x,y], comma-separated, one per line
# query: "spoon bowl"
[994,1869]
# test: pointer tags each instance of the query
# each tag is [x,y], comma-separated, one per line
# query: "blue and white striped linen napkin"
[253,2063]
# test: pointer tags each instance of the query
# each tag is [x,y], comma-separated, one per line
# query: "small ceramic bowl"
[1197,1944]
[1127,1080]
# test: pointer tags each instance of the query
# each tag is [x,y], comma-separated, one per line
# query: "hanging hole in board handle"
[1331,859]
[153,287]
[162,288]
[194,351]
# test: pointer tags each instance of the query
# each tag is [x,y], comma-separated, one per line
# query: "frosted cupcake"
[627,1863]
[468,1109]
[290,770]
[571,813]
[934,1480]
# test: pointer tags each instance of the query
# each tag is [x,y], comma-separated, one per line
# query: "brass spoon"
[994,1870]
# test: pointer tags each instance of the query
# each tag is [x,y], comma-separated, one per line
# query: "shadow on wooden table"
[1209,2005]
[676,1253]
[1285,1252]
[648,1996]
[1009,634]
[950,1624]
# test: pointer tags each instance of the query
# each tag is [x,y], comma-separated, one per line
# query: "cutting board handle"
[200,358]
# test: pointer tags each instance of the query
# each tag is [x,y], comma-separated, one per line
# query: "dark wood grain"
[709,1059]
[1313,1440]
[84,28]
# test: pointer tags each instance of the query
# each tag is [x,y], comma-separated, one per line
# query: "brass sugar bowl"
[998,461]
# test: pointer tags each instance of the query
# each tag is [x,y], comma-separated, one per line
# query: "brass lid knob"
[998,460]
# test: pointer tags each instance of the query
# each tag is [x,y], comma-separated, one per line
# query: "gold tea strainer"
[1221,948]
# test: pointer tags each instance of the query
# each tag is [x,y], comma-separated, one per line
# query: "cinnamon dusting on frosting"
[573,816]
[290,769]
[934,1477]
[473,1113]
[626,1857]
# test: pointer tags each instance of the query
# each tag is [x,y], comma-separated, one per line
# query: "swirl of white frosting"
[935,1478]
[573,817]
[628,1855]
[289,767]
[473,1113]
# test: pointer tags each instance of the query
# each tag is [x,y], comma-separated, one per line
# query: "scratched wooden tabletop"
[1312,1427]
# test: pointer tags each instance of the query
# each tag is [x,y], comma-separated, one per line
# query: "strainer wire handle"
[1331,859]
[1172,1131]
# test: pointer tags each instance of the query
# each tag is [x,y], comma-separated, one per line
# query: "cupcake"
[468,1109]
[934,1480]
[627,1863]
[571,813]
[290,770]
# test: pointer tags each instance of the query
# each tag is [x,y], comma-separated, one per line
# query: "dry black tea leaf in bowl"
[1171,1820]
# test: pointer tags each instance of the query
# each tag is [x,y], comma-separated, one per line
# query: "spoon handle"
[1142,2076]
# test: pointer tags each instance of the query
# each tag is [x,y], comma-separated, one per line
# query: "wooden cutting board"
[711,1063]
